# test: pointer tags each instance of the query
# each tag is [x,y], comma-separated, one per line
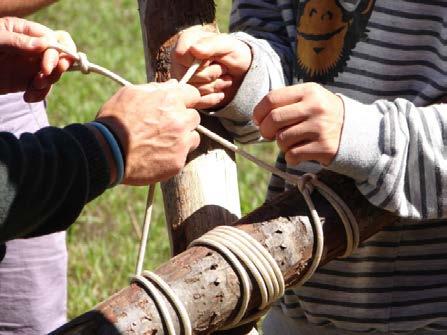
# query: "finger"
[275,99]
[34,95]
[50,61]
[192,118]
[14,42]
[181,53]
[215,87]
[65,39]
[216,45]
[22,26]
[302,152]
[194,140]
[64,64]
[189,95]
[291,136]
[282,117]
[177,71]
[210,101]
[65,61]
[41,81]
[208,74]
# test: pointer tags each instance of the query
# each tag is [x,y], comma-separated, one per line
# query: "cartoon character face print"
[327,31]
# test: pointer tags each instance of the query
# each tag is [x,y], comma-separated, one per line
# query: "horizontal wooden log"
[208,285]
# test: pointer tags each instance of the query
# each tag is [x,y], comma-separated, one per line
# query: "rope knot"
[83,63]
[305,183]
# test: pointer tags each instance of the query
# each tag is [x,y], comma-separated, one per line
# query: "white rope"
[232,242]
[185,322]
[158,300]
[85,66]
[146,230]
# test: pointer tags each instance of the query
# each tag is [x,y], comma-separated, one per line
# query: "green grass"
[103,243]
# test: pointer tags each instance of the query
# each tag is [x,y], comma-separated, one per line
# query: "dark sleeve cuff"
[98,168]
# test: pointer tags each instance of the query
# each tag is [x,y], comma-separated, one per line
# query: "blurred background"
[103,244]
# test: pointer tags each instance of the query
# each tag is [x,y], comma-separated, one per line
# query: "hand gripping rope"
[246,255]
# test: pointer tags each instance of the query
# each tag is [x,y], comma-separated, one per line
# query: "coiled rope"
[238,247]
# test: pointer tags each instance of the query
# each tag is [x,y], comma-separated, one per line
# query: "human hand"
[226,62]
[155,126]
[306,120]
[26,63]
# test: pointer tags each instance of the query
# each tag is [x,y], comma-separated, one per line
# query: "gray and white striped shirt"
[394,148]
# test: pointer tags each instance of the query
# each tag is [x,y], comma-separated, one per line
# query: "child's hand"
[305,119]
[226,61]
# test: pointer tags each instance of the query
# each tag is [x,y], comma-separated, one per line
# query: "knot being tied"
[83,63]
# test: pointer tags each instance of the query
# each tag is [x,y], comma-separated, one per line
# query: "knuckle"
[277,116]
[177,126]
[171,97]
[177,52]
[269,100]
[281,138]
[312,87]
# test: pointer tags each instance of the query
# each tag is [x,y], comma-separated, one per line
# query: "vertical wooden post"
[205,194]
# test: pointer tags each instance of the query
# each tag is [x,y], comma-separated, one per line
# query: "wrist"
[107,152]
[112,151]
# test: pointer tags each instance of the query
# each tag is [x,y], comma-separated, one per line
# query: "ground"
[103,242]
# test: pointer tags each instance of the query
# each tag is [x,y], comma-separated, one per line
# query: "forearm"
[22,8]
[397,154]
[46,178]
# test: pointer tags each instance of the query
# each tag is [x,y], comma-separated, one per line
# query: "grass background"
[103,243]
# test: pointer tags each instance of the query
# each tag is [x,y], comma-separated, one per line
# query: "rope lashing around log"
[239,248]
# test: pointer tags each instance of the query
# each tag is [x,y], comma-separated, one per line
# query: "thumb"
[16,42]
[189,94]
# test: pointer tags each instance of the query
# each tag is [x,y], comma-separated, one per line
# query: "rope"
[230,242]
[236,246]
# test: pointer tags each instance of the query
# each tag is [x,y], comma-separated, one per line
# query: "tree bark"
[206,192]
[207,284]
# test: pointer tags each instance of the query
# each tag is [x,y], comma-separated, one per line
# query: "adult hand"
[226,61]
[156,128]
[306,120]
[26,63]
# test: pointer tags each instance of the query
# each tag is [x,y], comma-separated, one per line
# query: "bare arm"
[22,8]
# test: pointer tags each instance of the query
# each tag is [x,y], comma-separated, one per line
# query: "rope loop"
[244,252]
[145,280]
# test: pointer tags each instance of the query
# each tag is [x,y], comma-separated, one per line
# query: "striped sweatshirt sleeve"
[265,32]
[397,154]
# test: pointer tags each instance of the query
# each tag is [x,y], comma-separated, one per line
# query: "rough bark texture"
[209,287]
[205,193]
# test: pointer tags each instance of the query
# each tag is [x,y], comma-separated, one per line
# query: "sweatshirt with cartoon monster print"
[387,60]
